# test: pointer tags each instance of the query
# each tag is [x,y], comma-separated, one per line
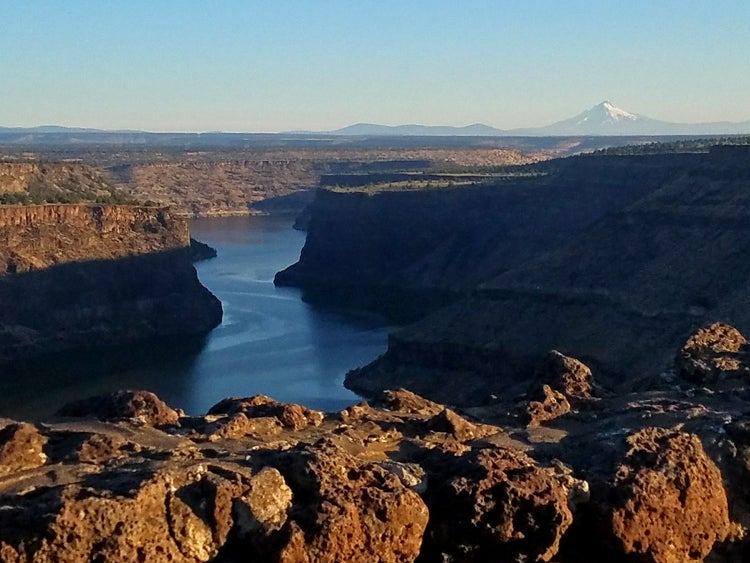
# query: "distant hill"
[371,129]
[602,119]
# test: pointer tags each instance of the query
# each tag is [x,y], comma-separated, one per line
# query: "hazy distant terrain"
[602,119]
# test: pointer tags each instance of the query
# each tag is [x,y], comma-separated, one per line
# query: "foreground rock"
[669,502]
[656,476]
[717,351]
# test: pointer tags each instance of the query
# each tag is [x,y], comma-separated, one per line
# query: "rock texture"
[658,475]
[39,236]
[712,352]
[496,505]
[263,179]
[669,504]
[448,239]
[78,275]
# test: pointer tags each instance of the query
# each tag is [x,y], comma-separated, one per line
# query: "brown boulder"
[142,405]
[238,426]
[290,416]
[712,353]
[494,505]
[405,401]
[668,503]
[550,405]
[21,447]
[451,423]
[350,511]
[567,375]
[130,513]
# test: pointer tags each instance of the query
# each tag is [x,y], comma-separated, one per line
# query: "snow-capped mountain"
[605,113]
[602,119]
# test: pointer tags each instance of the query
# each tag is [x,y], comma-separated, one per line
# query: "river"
[270,340]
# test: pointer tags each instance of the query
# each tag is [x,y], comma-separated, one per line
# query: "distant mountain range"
[602,119]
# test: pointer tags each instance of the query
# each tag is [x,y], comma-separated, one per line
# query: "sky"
[280,65]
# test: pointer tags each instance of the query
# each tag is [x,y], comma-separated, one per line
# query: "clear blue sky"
[243,65]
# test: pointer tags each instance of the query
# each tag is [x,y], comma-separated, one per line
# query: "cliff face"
[621,295]
[221,186]
[458,238]
[84,276]
[40,236]
[593,253]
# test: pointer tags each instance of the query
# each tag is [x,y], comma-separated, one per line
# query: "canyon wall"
[457,238]
[593,256]
[82,276]
[621,295]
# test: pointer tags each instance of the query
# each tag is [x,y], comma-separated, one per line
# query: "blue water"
[269,342]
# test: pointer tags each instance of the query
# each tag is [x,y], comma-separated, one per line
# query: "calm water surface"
[269,342]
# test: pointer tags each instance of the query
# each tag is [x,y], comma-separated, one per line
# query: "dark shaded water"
[270,341]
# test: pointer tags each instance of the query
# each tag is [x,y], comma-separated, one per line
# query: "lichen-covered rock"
[712,353]
[668,502]
[549,405]
[142,405]
[21,447]
[495,505]
[567,375]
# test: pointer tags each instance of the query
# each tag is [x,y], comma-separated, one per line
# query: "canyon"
[610,258]
[565,392]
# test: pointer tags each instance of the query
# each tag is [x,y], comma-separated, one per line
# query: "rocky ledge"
[565,472]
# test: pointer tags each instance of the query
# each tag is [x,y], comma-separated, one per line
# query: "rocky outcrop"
[669,502]
[39,236]
[75,276]
[496,505]
[141,405]
[569,376]
[559,382]
[712,352]
[405,479]
[201,251]
[658,475]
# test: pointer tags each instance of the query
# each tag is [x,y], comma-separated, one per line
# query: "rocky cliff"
[564,472]
[457,238]
[80,276]
[593,255]
[621,295]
